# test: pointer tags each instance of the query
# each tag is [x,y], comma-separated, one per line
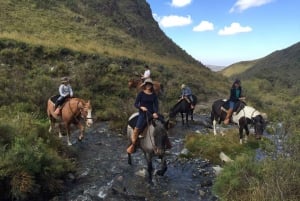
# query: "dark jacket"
[235,94]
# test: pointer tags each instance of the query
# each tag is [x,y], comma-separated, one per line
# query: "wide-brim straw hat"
[64,80]
[148,80]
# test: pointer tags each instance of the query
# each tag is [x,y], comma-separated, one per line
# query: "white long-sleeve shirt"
[65,90]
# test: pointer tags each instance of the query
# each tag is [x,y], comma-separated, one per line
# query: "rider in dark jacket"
[235,96]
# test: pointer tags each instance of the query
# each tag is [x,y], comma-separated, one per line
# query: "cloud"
[174,21]
[204,26]
[180,3]
[242,5]
[234,28]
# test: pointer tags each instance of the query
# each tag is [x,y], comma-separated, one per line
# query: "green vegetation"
[32,161]
[272,85]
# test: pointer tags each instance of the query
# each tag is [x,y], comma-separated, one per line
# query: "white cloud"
[180,3]
[242,5]
[204,26]
[175,21]
[234,28]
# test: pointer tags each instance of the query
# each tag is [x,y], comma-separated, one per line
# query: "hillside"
[280,68]
[99,44]
[237,68]
[112,27]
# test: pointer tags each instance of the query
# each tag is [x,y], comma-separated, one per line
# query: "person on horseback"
[146,74]
[147,104]
[65,91]
[186,93]
[235,96]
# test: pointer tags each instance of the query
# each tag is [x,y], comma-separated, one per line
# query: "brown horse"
[73,111]
[136,83]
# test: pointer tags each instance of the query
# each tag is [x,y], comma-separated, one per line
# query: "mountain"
[281,68]
[100,45]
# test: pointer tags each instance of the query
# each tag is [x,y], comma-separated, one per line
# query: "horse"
[183,106]
[136,83]
[243,115]
[73,111]
[153,143]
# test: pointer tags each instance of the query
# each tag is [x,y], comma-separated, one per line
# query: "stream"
[104,174]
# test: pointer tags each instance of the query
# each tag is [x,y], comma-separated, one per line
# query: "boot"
[228,115]
[57,111]
[134,137]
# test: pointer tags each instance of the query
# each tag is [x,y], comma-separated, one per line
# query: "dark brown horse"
[73,111]
[135,83]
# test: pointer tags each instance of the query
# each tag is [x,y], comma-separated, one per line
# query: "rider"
[186,93]
[65,91]
[235,96]
[147,103]
[146,74]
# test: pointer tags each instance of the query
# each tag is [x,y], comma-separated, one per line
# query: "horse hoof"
[80,139]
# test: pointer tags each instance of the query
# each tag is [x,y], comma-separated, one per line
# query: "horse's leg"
[163,166]
[182,118]
[129,158]
[81,128]
[241,128]
[214,125]
[68,134]
[187,118]
[149,165]
[247,132]
[51,122]
[59,130]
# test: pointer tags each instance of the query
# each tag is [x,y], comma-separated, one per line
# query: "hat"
[237,81]
[148,80]
[64,80]
[183,86]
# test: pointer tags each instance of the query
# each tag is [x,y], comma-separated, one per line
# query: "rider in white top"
[65,90]
[147,73]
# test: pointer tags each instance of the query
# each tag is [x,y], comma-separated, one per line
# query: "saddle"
[132,122]
[237,108]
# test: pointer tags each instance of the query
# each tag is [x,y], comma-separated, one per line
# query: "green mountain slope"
[99,44]
[112,27]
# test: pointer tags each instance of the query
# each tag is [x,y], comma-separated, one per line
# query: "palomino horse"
[136,83]
[73,111]
[183,106]
[152,144]
[242,116]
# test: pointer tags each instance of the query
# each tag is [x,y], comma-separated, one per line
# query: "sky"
[223,32]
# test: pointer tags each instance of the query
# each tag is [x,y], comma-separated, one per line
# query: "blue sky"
[222,32]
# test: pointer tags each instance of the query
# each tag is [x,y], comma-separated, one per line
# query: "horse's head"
[259,125]
[130,83]
[160,135]
[86,113]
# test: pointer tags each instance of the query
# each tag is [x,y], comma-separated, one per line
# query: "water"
[103,172]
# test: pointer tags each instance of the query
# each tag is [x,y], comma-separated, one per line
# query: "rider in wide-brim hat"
[148,80]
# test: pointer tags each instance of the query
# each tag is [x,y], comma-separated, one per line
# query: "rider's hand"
[155,115]
[144,109]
